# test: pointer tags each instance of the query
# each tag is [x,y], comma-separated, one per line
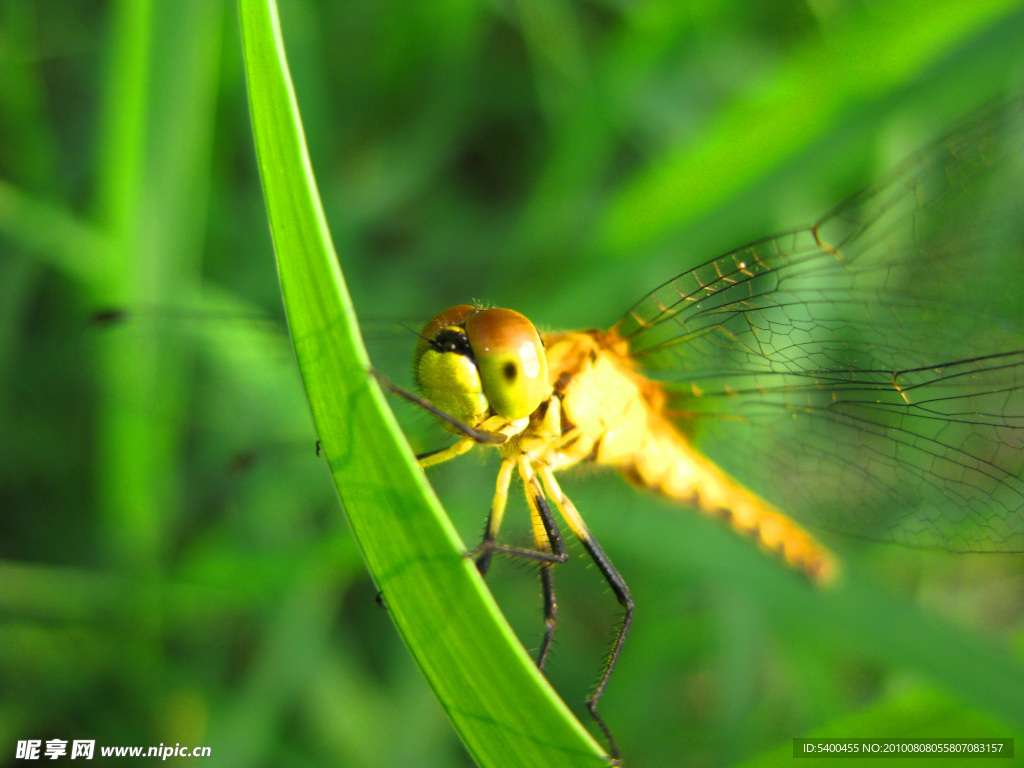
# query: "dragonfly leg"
[430,458]
[547,584]
[550,555]
[550,545]
[497,513]
[548,539]
[474,434]
[615,581]
[497,427]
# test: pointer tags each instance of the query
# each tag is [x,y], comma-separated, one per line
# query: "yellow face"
[473,363]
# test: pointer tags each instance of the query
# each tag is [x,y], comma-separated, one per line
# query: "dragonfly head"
[473,362]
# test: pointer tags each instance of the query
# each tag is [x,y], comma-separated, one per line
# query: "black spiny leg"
[619,588]
[550,545]
[487,543]
[555,555]
[621,592]
[549,539]
[547,582]
[483,561]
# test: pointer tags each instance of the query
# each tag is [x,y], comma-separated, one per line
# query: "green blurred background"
[175,565]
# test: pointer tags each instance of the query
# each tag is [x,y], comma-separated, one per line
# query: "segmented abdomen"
[611,415]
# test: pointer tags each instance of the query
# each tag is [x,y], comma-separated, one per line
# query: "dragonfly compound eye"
[445,370]
[510,357]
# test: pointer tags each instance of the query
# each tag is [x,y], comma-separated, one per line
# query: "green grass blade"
[502,708]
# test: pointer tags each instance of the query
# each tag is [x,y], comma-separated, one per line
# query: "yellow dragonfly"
[864,374]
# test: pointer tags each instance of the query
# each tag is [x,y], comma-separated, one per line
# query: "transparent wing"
[867,374]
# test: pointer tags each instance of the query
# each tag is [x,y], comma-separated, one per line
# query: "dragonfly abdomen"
[667,464]
[611,415]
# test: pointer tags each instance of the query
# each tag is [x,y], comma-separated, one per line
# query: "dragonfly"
[863,374]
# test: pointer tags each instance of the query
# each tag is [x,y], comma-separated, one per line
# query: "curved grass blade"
[498,702]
